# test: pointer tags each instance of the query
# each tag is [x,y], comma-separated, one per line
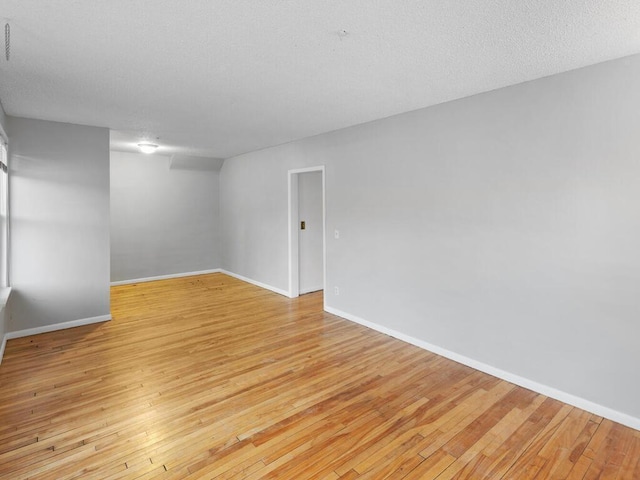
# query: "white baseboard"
[164,277]
[546,390]
[56,326]
[256,283]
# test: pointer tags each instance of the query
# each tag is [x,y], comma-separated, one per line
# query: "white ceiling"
[223,77]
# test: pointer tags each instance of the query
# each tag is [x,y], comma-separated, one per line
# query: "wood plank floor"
[210,377]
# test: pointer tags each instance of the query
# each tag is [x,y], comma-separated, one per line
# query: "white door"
[310,231]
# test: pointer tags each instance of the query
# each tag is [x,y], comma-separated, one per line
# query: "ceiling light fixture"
[147,147]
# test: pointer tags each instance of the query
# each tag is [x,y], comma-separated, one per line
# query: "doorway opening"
[307,252]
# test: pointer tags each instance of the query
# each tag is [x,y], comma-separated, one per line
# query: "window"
[4,215]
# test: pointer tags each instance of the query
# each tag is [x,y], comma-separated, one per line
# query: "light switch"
[303,225]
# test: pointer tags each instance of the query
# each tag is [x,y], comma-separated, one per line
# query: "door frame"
[294,248]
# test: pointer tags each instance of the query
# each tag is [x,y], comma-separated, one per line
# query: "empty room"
[332,240]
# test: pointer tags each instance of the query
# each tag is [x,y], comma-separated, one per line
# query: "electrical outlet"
[336,291]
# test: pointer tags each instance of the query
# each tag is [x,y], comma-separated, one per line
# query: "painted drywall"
[503,227]
[164,216]
[59,196]
[310,260]
[4,297]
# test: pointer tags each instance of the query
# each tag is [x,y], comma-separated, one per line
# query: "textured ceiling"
[218,78]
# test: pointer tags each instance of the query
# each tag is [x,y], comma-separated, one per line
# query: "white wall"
[59,195]
[254,226]
[163,220]
[4,305]
[503,227]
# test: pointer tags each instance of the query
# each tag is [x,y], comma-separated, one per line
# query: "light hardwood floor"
[210,377]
